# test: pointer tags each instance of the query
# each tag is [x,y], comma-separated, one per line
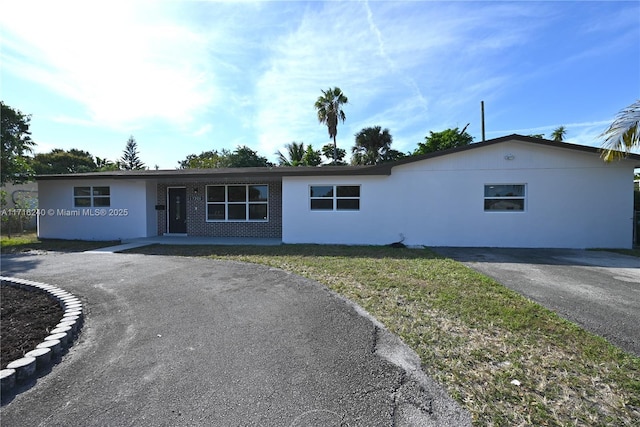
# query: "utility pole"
[482,118]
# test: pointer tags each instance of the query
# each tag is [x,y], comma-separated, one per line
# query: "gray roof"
[281,171]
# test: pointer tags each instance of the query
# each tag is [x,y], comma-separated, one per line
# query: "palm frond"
[623,134]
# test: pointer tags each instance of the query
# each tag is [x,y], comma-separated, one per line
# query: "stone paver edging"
[60,338]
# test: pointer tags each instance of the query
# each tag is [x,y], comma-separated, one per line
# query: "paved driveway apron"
[598,290]
[185,341]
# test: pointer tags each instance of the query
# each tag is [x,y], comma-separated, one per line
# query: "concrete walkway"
[186,240]
[178,341]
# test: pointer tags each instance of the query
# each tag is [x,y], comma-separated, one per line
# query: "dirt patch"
[25,321]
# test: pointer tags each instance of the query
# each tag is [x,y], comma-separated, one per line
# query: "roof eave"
[275,172]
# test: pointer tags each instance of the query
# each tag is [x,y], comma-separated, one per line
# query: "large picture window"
[334,197]
[237,202]
[87,197]
[504,197]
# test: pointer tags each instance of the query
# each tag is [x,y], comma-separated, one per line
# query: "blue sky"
[184,77]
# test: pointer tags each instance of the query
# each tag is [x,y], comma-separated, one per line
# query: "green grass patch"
[29,242]
[630,252]
[473,335]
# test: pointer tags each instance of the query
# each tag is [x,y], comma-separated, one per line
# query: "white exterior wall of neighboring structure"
[573,200]
[131,212]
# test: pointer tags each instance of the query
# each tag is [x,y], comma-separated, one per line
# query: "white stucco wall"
[574,200]
[61,220]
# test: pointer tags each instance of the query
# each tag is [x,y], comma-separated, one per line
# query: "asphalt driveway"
[598,290]
[174,341]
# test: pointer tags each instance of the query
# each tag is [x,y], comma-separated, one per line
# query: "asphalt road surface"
[598,290]
[171,341]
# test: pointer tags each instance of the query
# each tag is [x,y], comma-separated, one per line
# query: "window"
[86,197]
[504,197]
[237,202]
[335,197]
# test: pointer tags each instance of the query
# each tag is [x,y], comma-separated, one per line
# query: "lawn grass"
[473,335]
[631,252]
[29,242]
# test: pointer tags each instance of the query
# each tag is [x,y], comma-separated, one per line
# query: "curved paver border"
[61,337]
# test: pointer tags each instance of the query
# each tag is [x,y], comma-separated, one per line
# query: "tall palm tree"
[623,134]
[373,146]
[559,133]
[295,154]
[329,108]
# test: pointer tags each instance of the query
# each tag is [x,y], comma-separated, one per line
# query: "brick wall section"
[197,224]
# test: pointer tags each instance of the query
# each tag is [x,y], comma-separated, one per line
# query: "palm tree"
[298,155]
[623,134]
[329,151]
[295,155]
[373,146]
[329,108]
[559,133]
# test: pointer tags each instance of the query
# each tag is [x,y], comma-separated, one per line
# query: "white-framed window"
[89,196]
[238,202]
[334,197]
[504,197]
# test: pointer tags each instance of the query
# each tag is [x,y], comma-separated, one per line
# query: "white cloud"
[68,120]
[203,130]
[403,66]
[215,74]
[123,63]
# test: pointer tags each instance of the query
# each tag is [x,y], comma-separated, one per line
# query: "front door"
[177,212]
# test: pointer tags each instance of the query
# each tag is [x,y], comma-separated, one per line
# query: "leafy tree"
[623,134]
[244,157]
[16,143]
[334,154]
[537,135]
[241,157]
[329,109]
[6,219]
[559,133]
[373,146]
[438,141]
[130,159]
[205,160]
[312,157]
[59,161]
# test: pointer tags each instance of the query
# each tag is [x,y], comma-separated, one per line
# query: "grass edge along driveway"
[506,359]
[473,335]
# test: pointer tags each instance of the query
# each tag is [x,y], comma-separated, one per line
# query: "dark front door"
[177,212]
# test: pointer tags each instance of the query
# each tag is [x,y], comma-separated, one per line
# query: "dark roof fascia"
[257,172]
